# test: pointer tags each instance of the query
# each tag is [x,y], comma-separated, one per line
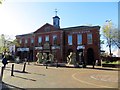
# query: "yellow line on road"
[88,82]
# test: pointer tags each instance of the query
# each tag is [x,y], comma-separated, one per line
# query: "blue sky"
[24,17]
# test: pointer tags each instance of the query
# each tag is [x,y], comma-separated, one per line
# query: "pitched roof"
[81,27]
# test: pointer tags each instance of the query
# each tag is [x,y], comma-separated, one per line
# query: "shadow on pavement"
[25,78]
[103,68]
[25,72]
[18,71]
[6,86]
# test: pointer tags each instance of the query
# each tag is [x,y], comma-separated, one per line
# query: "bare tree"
[110,32]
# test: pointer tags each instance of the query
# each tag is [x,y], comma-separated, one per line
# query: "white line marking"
[88,82]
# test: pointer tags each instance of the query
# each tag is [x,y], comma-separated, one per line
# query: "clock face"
[47,29]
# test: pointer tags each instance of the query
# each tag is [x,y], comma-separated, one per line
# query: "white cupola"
[56,20]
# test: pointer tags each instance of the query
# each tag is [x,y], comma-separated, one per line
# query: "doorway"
[90,56]
[78,56]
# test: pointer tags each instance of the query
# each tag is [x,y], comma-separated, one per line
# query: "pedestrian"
[4,61]
[3,54]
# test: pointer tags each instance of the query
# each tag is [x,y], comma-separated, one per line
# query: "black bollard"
[24,67]
[57,64]
[46,65]
[12,70]
[2,69]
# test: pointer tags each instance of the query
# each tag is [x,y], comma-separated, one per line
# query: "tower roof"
[56,17]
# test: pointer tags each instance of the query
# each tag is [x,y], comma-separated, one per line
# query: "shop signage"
[22,49]
[55,47]
[80,47]
[38,48]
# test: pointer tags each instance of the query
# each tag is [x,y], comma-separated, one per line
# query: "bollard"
[46,66]
[2,69]
[24,67]
[12,70]
[57,64]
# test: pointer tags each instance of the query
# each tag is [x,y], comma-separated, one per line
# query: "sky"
[26,16]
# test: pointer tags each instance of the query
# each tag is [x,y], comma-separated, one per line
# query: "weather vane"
[56,12]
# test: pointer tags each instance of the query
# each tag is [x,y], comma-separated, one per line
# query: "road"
[37,76]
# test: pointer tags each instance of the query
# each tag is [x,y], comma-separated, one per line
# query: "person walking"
[4,61]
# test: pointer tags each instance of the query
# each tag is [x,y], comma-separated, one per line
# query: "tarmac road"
[61,77]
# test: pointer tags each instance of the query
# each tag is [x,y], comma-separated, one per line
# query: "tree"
[6,42]
[16,43]
[1,1]
[116,38]
[110,32]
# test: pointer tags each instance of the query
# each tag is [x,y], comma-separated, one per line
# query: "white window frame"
[89,38]
[70,40]
[79,39]
[20,41]
[54,36]
[47,38]
[26,41]
[32,40]
[39,39]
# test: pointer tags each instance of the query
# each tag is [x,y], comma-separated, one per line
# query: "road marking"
[88,82]
[102,79]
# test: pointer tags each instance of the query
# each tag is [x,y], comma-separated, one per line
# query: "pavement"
[38,76]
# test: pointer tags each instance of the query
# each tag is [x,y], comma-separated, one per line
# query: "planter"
[111,65]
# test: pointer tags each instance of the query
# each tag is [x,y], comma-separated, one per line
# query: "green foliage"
[114,62]
[16,43]
[101,41]
[1,1]
[3,49]
[6,43]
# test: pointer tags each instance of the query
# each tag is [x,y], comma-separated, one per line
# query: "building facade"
[60,42]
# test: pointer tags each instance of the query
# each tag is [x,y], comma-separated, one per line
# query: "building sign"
[46,46]
[22,49]
[87,31]
[38,48]
[55,47]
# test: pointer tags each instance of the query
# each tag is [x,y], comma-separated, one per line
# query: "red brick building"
[60,42]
